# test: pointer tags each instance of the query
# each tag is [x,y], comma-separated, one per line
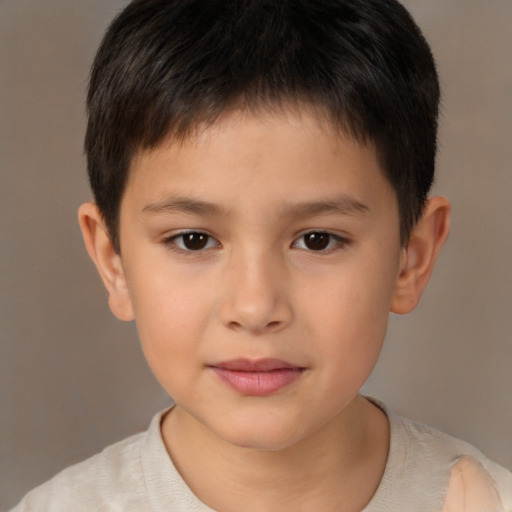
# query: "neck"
[337,468]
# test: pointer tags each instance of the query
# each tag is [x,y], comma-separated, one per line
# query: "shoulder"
[112,477]
[134,475]
[466,462]
[474,483]
[428,470]
[473,489]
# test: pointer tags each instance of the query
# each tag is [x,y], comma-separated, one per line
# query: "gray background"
[73,379]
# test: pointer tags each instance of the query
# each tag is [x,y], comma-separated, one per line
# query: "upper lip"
[259,365]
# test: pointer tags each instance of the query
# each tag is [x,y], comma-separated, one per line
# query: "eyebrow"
[183,205]
[344,205]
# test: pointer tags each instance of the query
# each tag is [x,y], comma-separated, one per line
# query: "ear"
[107,260]
[419,256]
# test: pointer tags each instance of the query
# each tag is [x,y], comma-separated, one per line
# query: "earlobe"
[419,256]
[107,260]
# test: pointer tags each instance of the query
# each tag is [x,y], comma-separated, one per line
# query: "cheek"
[171,315]
[348,314]
[349,343]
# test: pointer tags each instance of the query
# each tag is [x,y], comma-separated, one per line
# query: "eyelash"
[171,242]
[334,242]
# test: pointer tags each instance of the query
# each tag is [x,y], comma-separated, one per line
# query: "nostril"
[271,326]
[256,312]
[234,325]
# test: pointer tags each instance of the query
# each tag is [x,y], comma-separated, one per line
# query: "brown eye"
[193,241]
[321,241]
[317,241]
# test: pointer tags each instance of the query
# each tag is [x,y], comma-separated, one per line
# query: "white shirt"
[137,475]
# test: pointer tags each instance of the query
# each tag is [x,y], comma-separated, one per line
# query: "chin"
[262,442]
[258,434]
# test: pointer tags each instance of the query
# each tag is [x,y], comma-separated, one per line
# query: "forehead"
[292,119]
[269,157]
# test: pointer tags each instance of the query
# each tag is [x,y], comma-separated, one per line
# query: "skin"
[258,185]
[471,489]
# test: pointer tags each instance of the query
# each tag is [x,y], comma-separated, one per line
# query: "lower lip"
[259,383]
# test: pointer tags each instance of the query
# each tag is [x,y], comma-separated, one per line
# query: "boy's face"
[260,260]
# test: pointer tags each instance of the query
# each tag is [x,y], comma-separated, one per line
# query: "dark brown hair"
[166,67]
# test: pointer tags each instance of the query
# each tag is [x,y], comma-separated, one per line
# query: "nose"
[255,297]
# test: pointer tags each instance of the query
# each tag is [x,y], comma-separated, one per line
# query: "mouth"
[257,377]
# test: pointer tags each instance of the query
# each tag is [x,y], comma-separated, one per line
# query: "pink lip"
[257,378]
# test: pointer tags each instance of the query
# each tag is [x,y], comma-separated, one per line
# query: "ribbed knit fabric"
[137,475]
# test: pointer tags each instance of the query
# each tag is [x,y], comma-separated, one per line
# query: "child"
[261,172]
